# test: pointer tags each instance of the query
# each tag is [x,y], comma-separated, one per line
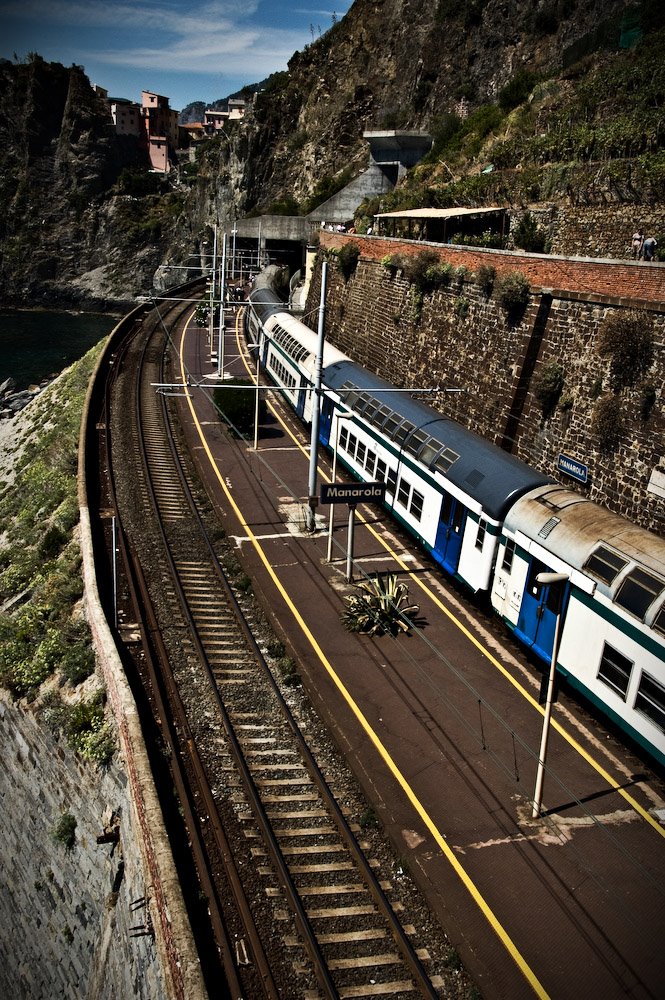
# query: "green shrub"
[379,607]
[517,89]
[528,236]
[64,831]
[607,422]
[347,259]
[88,732]
[512,290]
[486,276]
[626,337]
[289,671]
[547,386]
[235,401]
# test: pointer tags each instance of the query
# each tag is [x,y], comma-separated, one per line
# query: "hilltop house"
[153,122]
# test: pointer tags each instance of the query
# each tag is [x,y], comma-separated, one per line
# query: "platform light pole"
[222,296]
[557,580]
[312,498]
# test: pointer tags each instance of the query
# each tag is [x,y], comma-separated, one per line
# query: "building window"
[508,554]
[650,700]
[614,670]
[638,591]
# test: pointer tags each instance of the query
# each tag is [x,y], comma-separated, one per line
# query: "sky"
[186,50]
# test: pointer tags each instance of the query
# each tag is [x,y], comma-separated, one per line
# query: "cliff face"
[401,64]
[62,227]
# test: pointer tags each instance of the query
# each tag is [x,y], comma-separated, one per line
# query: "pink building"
[153,122]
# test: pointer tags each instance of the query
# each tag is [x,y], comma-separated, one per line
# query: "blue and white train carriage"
[447,486]
[612,610]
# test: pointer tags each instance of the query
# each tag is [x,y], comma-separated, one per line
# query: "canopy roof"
[437,213]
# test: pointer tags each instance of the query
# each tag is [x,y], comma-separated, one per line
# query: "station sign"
[352,492]
[571,467]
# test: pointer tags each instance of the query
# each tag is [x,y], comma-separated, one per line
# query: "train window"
[508,554]
[614,670]
[605,564]
[371,409]
[428,452]
[403,492]
[416,441]
[361,453]
[362,401]
[391,424]
[382,415]
[659,621]
[417,502]
[480,537]
[445,460]
[391,482]
[638,591]
[403,432]
[650,700]
[369,462]
[381,470]
[344,438]
[353,441]
[446,508]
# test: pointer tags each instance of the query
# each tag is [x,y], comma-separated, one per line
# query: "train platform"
[442,727]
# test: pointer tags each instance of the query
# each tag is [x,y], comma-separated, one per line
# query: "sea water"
[36,344]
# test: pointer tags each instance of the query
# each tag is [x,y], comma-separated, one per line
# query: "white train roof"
[571,527]
[284,325]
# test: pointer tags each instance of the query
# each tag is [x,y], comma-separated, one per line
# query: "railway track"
[296,905]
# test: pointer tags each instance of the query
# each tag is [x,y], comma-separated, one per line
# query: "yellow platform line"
[439,838]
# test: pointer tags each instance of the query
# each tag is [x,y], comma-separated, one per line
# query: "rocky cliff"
[68,233]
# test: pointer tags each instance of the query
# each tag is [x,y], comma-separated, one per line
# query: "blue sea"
[36,344]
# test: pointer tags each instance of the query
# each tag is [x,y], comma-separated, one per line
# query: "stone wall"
[462,338]
[594,231]
[67,916]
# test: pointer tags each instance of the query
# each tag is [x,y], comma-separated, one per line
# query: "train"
[558,569]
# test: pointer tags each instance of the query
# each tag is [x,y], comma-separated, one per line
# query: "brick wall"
[462,338]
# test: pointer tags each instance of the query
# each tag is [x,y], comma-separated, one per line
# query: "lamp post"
[339,418]
[256,402]
[222,296]
[316,403]
[556,580]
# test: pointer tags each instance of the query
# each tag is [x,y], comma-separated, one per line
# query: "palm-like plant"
[379,606]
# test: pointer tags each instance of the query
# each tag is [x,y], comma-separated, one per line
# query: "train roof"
[493,477]
[573,528]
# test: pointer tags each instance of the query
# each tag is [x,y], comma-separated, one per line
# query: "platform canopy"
[440,224]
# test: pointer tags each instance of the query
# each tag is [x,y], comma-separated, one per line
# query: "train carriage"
[449,487]
[611,604]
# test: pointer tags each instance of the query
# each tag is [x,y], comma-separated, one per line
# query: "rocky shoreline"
[12,402]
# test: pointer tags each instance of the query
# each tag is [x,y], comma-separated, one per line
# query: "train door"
[450,532]
[538,611]
[325,420]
